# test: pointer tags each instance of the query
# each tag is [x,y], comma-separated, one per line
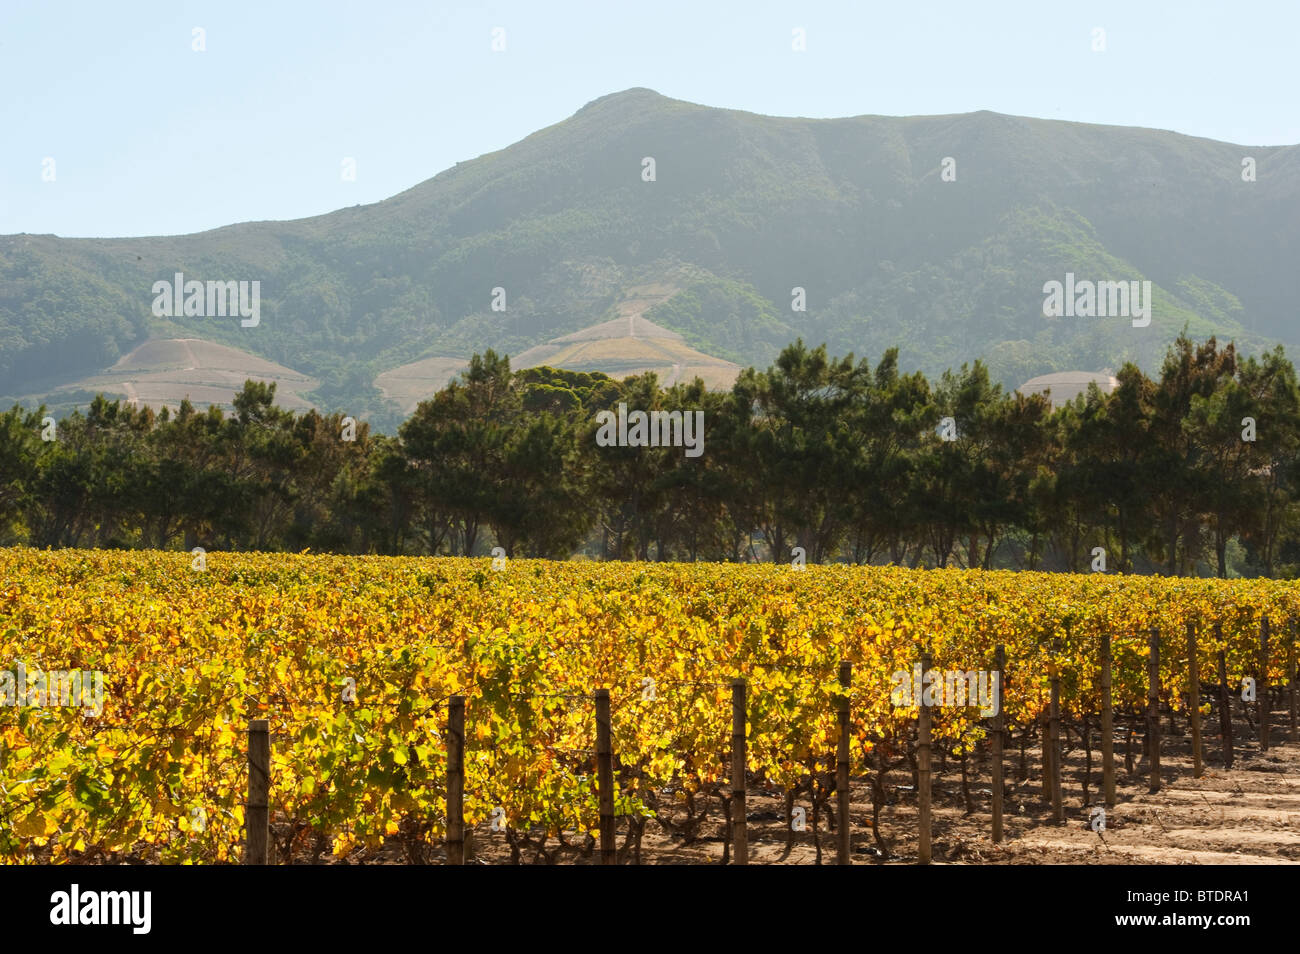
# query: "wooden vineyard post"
[1107,726]
[842,765]
[1054,739]
[256,810]
[1261,690]
[1153,708]
[456,780]
[605,779]
[1000,665]
[1291,673]
[923,772]
[1225,703]
[1045,735]
[1194,698]
[739,830]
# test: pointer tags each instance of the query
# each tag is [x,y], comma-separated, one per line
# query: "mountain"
[553,234]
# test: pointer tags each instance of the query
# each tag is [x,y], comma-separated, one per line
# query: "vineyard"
[354,661]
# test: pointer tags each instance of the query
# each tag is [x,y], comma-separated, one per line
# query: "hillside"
[163,372]
[628,346]
[743,209]
[619,348]
[408,385]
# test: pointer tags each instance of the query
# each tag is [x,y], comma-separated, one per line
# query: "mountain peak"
[633,95]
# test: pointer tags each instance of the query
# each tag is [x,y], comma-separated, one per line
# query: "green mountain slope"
[743,209]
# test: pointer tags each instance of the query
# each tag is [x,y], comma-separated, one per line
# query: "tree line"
[1190,472]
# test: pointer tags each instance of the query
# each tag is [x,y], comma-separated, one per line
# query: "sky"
[114,123]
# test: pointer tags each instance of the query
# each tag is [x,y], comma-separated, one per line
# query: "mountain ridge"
[743,209]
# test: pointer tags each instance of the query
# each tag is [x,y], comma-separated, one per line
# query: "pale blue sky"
[150,137]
